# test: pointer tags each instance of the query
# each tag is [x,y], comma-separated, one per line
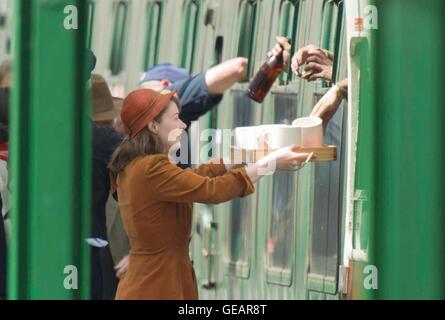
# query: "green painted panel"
[50,152]
[403,171]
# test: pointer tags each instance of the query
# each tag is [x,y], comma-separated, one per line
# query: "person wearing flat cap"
[156,196]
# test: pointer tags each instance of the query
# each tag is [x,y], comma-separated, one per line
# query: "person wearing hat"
[105,140]
[162,76]
[197,94]
[156,196]
[200,93]
[105,107]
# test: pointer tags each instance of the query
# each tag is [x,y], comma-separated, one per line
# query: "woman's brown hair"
[144,143]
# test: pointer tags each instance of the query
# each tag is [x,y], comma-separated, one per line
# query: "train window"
[90,21]
[327,207]
[327,199]
[331,27]
[280,230]
[120,11]
[289,10]
[285,107]
[8,46]
[153,27]
[339,39]
[219,45]
[239,222]
[190,31]
[240,215]
[328,8]
[280,235]
[247,30]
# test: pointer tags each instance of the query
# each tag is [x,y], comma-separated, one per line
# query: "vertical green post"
[409,199]
[50,153]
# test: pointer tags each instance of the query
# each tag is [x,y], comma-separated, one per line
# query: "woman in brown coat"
[156,196]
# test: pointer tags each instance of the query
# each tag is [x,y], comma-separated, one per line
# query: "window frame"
[119,37]
[276,275]
[187,57]
[322,282]
[247,48]
[241,269]
[339,39]
[326,23]
[292,26]
[91,5]
[152,35]
[332,35]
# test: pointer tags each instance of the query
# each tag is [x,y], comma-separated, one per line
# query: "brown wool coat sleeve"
[206,184]
[210,170]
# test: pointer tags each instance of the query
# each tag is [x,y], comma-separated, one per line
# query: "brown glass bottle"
[265,77]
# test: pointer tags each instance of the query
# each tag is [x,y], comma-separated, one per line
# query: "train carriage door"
[328,177]
[276,243]
[204,245]
[281,191]
[236,217]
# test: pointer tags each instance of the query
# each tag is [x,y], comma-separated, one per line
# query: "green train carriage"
[314,234]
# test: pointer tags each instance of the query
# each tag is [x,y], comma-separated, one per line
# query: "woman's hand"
[287,158]
[122,267]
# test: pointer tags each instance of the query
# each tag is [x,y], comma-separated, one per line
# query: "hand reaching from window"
[317,63]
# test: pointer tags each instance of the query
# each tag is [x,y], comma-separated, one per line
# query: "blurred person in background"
[5,73]
[105,109]
[4,191]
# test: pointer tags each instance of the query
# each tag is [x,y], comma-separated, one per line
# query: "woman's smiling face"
[170,127]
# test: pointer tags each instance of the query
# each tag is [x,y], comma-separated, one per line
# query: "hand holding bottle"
[282,46]
[269,71]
